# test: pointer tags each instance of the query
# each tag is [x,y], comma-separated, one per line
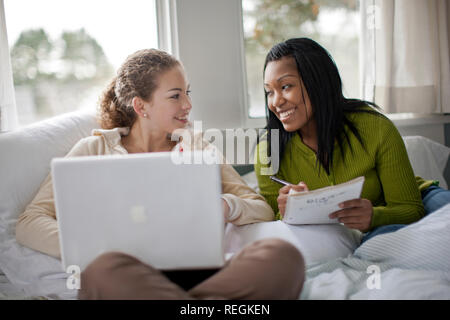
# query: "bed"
[412,263]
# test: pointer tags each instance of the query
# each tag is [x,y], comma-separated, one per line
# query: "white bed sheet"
[34,275]
[8,290]
[317,243]
[414,263]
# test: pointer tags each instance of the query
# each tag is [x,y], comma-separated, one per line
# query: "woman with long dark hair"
[326,139]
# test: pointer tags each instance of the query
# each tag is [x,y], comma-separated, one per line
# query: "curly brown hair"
[137,77]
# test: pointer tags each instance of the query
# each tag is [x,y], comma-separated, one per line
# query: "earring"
[145,115]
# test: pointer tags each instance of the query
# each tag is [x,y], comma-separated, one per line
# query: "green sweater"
[389,184]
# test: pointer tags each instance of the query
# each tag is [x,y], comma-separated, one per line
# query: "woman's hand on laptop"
[284,193]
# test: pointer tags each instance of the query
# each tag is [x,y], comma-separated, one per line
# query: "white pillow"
[251,180]
[317,243]
[428,158]
[26,155]
[420,245]
[24,163]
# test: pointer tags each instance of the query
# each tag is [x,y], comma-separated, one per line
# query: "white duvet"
[414,262]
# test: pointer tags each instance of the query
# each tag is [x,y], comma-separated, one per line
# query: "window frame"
[11,120]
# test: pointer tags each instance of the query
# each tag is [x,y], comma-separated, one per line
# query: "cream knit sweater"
[37,227]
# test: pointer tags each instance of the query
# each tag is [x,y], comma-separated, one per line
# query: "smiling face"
[286,96]
[170,104]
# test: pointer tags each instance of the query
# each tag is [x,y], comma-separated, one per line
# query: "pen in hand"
[294,186]
[280,181]
[284,193]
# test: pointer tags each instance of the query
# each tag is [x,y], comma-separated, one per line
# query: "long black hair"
[323,85]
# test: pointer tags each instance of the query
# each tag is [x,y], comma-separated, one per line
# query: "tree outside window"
[53,76]
[332,23]
[64,53]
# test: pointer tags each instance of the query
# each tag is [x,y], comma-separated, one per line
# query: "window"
[332,23]
[63,53]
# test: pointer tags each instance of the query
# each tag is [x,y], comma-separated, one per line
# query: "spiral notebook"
[313,207]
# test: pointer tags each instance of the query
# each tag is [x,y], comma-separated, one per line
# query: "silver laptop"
[166,214]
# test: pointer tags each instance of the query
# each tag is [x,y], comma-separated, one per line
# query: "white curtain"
[405,55]
[8,114]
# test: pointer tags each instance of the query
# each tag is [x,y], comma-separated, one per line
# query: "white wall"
[8,114]
[435,132]
[430,126]
[210,46]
